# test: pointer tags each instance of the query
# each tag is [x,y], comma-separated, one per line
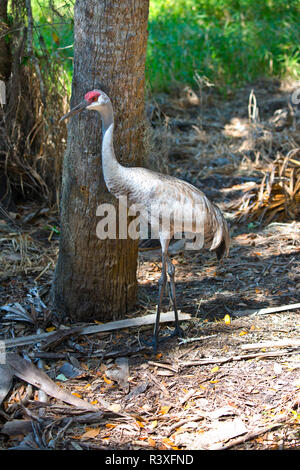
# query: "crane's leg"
[161,288]
[171,271]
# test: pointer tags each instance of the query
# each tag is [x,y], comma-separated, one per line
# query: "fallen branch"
[283,420]
[265,311]
[223,360]
[191,340]
[180,423]
[164,366]
[91,329]
[249,436]
[283,343]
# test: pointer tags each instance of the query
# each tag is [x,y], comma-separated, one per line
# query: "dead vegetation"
[277,196]
[32,144]
[233,381]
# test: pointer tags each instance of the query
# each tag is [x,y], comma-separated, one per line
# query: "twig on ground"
[223,360]
[283,343]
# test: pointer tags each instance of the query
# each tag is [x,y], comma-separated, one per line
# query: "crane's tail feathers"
[221,240]
[221,250]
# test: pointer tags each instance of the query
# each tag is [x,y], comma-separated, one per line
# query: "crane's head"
[93,100]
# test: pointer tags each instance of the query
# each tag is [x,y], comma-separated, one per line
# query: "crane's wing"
[185,206]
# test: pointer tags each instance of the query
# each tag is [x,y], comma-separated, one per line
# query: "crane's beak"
[80,107]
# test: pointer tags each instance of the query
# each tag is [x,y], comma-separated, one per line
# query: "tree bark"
[97,278]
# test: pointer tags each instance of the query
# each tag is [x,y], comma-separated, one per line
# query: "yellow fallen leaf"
[213,381]
[242,333]
[90,433]
[214,369]
[153,424]
[77,394]
[50,328]
[140,424]
[168,441]
[151,442]
[296,416]
[227,319]
[164,410]
[106,380]
[110,425]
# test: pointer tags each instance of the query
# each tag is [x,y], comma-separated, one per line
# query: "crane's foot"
[153,343]
[155,340]
[178,331]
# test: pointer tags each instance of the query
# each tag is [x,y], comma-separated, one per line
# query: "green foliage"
[53,35]
[228,41]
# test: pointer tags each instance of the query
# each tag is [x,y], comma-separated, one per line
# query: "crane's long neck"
[111,167]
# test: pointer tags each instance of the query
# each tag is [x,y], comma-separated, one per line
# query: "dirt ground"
[233,381]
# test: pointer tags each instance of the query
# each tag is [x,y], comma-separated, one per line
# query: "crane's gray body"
[169,204]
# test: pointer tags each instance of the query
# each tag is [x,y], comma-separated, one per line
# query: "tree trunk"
[97,278]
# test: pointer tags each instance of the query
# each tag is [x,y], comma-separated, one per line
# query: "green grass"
[230,42]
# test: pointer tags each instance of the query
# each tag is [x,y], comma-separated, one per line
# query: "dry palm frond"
[278,194]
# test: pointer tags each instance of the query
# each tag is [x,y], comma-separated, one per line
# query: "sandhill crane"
[147,189]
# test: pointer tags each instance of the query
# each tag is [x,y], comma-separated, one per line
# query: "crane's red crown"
[92,96]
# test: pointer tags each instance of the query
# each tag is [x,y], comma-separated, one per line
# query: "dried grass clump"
[278,194]
[21,253]
[32,144]
[31,157]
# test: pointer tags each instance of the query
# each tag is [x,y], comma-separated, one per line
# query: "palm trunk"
[97,278]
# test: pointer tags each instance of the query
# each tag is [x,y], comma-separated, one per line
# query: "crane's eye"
[95,98]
